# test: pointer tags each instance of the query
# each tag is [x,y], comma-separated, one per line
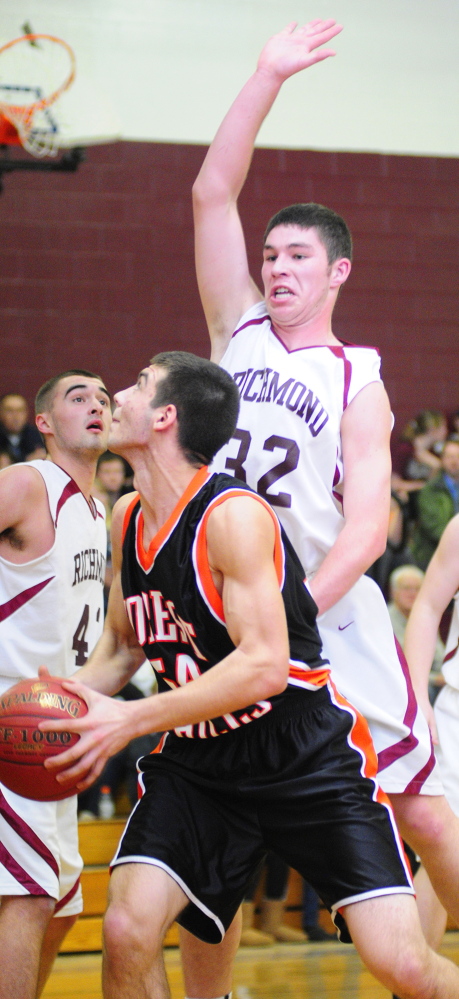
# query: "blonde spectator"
[404,585]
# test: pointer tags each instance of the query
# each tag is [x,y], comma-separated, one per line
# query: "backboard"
[47,75]
[167,70]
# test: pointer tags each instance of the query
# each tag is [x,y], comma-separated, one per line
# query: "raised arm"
[365,433]
[225,285]
[439,585]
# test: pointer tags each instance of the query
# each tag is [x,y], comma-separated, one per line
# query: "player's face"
[80,415]
[296,274]
[133,414]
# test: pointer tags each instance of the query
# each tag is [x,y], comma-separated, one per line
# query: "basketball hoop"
[55,72]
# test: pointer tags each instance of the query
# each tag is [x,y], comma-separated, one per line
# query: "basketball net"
[32,64]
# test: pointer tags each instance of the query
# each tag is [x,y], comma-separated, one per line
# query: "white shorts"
[446,711]
[39,850]
[370,670]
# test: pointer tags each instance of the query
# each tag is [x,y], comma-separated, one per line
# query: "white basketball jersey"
[293,403]
[51,609]
[450,668]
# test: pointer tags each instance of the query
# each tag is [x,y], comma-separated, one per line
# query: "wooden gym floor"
[284,971]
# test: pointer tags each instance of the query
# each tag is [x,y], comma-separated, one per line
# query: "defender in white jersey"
[320,419]
[52,563]
[440,585]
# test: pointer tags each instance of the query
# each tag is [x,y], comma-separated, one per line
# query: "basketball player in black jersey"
[260,750]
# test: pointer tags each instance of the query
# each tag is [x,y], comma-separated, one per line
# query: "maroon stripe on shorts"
[26,833]
[450,655]
[18,872]
[406,745]
[67,898]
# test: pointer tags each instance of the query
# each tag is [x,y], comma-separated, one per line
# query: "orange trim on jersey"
[202,562]
[309,677]
[147,557]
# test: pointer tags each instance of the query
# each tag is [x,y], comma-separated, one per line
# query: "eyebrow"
[83,386]
[143,374]
[290,246]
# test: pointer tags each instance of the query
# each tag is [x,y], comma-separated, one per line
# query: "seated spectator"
[454,422]
[415,455]
[396,553]
[20,439]
[437,503]
[404,585]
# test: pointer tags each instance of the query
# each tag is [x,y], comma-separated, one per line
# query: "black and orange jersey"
[177,613]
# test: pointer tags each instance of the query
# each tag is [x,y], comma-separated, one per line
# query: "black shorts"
[292,782]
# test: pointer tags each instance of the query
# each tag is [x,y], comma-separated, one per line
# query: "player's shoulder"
[235,508]
[23,479]
[121,514]
[256,315]
[365,349]
[23,496]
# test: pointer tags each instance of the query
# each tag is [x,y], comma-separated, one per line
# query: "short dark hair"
[206,399]
[45,394]
[331,228]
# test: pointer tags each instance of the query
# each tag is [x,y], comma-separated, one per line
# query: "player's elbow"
[374,538]
[379,541]
[271,674]
[208,191]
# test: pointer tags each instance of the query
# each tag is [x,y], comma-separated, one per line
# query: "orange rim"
[27,111]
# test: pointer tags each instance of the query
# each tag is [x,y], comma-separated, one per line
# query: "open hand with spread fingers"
[295,48]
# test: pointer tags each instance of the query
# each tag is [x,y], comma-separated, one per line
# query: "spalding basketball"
[24,748]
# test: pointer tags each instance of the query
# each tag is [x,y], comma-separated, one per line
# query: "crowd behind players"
[424,498]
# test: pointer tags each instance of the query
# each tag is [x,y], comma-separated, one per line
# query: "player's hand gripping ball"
[24,748]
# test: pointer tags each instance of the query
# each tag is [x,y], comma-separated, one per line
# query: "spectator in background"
[454,422]
[20,439]
[415,455]
[404,585]
[437,502]
[111,479]
[111,483]
[5,458]
[397,552]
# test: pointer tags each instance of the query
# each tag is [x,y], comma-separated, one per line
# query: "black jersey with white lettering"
[177,612]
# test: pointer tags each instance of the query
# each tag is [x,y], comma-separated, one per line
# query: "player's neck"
[81,469]
[314,332]
[160,484]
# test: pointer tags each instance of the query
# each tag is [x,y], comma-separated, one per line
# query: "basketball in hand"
[24,748]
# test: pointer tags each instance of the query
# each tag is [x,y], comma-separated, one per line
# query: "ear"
[42,423]
[340,271]
[165,417]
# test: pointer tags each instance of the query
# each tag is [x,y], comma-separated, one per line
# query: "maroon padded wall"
[96,267]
